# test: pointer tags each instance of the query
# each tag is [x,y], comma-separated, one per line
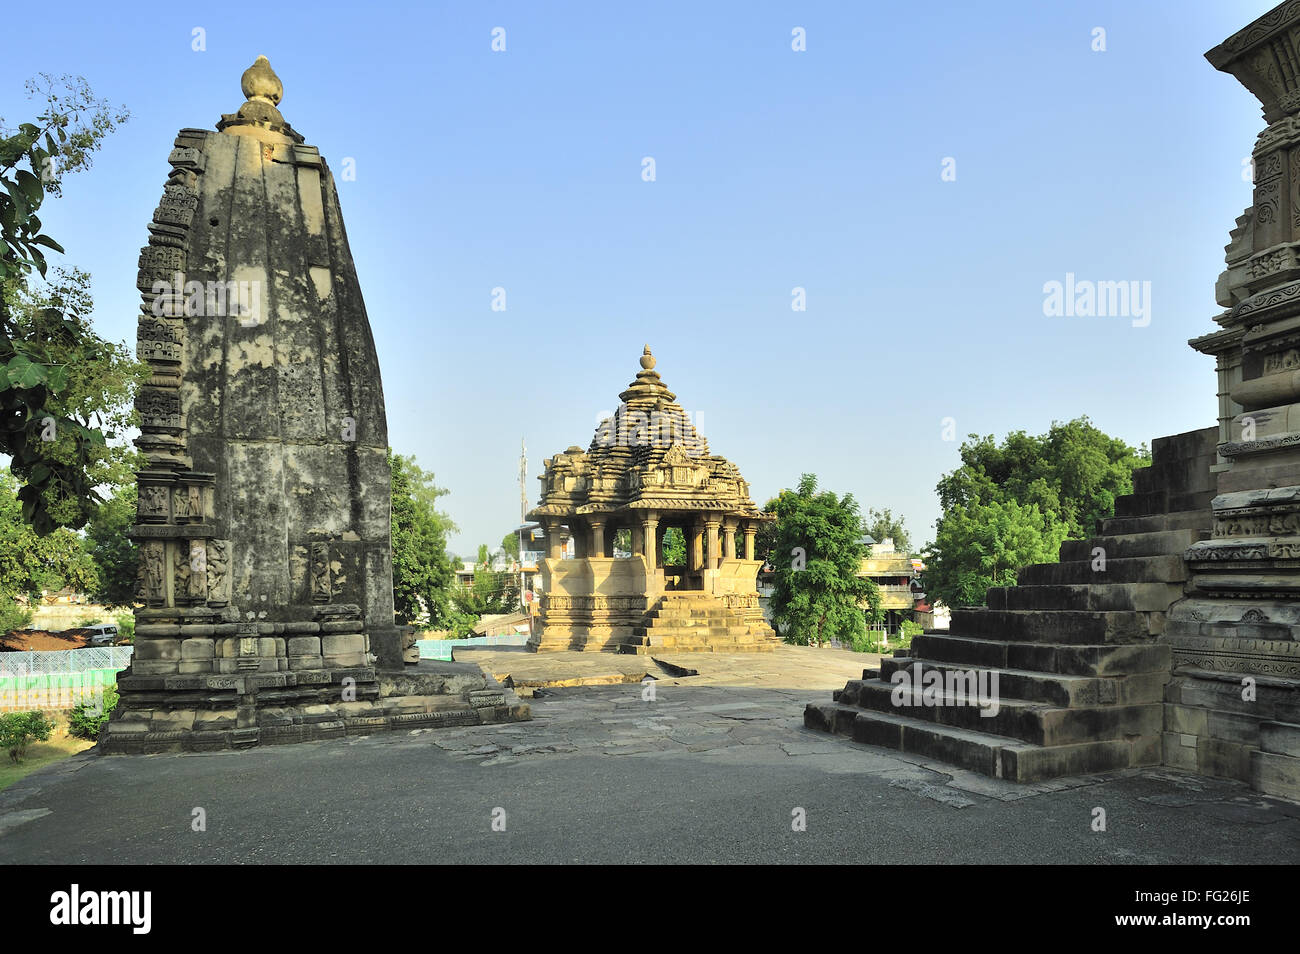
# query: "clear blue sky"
[775,169]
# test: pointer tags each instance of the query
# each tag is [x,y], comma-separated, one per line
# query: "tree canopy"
[422,571]
[51,419]
[1012,504]
[817,594]
[882,524]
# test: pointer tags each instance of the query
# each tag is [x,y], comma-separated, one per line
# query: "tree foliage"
[981,545]
[674,547]
[109,545]
[43,339]
[882,524]
[1012,504]
[422,572]
[31,564]
[817,593]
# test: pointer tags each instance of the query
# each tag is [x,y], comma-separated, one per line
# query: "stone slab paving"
[702,773]
[791,667]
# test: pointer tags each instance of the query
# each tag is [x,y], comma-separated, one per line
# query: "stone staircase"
[1079,670]
[697,623]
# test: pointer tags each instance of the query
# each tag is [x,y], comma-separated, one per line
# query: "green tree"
[491,593]
[54,444]
[109,545]
[484,556]
[1061,484]
[881,524]
[674,547]
[422,570]
[978,546]
[817,593]
[510,543]
[31,564]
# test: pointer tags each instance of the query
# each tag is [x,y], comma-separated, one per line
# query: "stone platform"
[205,712]
[784,667]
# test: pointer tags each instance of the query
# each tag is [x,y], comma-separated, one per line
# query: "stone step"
[643,649]
[1202,442]
[1280,738]
[1190,475]
[1055,626]
[1168,568]
[977,751]
[1069,660]
[1046,687]
[662,626]
[1129,545]
[1198,519]
[1014,718]
[1275,774]
[1143,597]
[1158,502]
[704,618]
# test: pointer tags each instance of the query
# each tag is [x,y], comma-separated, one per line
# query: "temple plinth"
[647,471]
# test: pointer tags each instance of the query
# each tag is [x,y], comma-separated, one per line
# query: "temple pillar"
[650,542]
[729,541]
[597,537]
[750,533]
[695,548]
[637,544]
[711,532]
[554,544]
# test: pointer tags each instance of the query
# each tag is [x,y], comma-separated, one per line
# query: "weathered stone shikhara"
[266,584]
[648,470]
[1183,647]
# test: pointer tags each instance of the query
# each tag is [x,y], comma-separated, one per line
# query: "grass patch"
[41,754]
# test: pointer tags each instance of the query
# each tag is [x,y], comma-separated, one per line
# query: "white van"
[102,634]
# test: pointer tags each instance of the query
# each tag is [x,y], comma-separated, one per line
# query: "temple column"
[554,545]
[581,541]
[650,542]
[637,540]
[695,548]
[729,541]
[711,531]
[750,533]
[597,537]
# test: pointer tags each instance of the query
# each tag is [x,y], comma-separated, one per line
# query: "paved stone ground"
[790,667]
[703,773]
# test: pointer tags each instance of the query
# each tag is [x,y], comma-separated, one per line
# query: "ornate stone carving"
[158,340]
[321,591]
[218,572]
[159,408]
[152,573]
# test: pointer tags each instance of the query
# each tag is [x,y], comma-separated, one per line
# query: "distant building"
[894,574]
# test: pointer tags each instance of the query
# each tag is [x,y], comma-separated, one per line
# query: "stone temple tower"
[266,584]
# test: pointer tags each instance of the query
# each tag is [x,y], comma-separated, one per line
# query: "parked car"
[101,634]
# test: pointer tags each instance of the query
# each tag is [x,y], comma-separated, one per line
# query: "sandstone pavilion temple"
[646,471]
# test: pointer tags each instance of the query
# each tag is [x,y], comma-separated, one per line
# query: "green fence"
[59,690]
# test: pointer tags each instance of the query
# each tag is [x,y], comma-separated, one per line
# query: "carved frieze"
[159,408]
[158,340]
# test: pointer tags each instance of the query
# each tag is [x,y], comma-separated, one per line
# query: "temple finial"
[647,359]
[260,83]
